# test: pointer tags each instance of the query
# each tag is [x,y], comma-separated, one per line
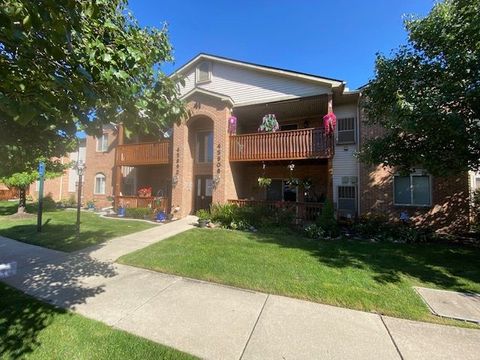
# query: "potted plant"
[293,182]
[203,217]
[269,124]
[264,182]
[307,183]
[91,205]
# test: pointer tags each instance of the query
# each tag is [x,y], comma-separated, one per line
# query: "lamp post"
[80,167]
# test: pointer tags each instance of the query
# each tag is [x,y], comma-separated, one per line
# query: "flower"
[232,125]
[145,191]
[329,123]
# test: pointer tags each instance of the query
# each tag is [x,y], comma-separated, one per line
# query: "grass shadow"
[57,236]
[21,320]
[443,265]
[59,281]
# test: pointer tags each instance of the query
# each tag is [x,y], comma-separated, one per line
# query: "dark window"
[412,190]
[205,147]
[288,127]
[275,191]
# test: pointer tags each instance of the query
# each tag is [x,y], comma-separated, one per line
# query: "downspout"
[358,149]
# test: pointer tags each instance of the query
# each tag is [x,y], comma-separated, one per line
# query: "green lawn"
[59,228]
[30,329]
[375,277]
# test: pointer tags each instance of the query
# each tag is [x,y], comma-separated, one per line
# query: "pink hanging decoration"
[232,125]
[329,123]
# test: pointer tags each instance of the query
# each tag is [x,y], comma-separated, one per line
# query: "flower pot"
[203,223]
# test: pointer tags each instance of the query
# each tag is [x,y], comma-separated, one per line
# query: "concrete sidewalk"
[219,322]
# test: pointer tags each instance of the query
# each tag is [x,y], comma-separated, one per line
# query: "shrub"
[378,227]
[232,216]
[326,220]
[138,213]
[70,202]
[314,231]
[223,213]
[49,203]
[203,214]
[372,224]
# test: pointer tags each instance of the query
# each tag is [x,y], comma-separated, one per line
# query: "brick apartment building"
[217,154]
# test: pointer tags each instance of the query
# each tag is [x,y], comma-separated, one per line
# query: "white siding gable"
[246,86]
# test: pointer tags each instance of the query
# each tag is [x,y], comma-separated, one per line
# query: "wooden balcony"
[310,143]
[154,153]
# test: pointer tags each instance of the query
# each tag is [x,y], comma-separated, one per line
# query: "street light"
[80,167]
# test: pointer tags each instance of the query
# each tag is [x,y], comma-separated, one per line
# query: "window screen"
[346,130]
[203,72]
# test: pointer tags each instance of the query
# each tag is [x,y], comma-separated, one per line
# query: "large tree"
[427,95]
[76,65]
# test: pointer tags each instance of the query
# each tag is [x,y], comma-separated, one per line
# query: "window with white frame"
[476,184]
[102,143]
[203,72]
[100,182]
[414,189]
[346,130]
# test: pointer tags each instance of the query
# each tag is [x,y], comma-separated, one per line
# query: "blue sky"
[337,39]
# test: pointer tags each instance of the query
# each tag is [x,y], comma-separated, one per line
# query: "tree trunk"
[22,203]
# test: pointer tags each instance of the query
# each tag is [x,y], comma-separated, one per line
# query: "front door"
[203,191]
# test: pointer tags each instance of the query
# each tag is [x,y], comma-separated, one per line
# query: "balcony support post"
[330,161]
[118,168]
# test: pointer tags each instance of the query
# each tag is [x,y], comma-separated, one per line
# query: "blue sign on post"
[41,169]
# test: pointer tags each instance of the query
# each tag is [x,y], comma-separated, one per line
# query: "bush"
[378,227]
[372,224]
[232,216]
[326,220]
[139,213]
[314,231]
[203,214]
[68,203]
[223,214]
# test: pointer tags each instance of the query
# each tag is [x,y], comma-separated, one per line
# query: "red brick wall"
[100,162]
[450,195]
[209,113]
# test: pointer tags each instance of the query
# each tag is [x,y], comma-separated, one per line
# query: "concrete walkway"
[214,321]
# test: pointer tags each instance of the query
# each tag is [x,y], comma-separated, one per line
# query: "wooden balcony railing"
[143,154]
[301,210]
[310,143]
[159,203]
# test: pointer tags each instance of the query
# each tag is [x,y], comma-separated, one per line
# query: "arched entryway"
[200,130]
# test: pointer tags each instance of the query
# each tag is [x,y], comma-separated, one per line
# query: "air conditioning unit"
[349,180]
